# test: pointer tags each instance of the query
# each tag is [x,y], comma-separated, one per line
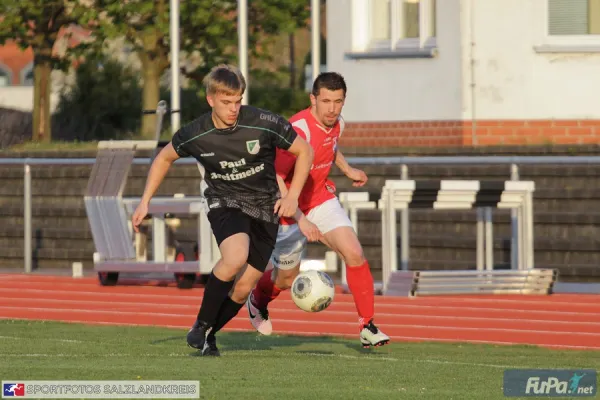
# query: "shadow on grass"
[251,341]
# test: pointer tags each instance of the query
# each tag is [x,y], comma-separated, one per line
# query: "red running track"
[557,321]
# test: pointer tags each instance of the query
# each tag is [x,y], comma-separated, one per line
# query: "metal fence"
[512,162]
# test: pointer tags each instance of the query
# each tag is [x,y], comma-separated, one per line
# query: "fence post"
[404,228]
[27,218]
[489,240]
[514,223]
[480,239]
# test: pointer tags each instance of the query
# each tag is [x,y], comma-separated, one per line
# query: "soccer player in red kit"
[320,215]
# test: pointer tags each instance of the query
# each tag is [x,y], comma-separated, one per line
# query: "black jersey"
[239,162]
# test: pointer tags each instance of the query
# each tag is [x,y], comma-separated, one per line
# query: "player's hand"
[286,206]
[358,176]
[138,216]
[310,230]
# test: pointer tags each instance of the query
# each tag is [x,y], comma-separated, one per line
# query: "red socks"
[360,283]
[265,290]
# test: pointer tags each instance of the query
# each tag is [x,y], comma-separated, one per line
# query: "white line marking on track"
[426,300]
[197,299]
[49,301]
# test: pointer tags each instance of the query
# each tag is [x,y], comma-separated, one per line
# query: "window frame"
[363,47]
[23,73]
[8,73]
[589,43]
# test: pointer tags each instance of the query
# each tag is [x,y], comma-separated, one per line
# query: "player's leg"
[339,235]
[262,241]
[232,230]
[285,262]
[231,306]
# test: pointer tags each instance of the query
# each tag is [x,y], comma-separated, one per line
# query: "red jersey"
[318,188]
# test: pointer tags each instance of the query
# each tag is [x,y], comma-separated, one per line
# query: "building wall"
[483,87]
[529,87]
[398,89]
[21,98]
[515,80]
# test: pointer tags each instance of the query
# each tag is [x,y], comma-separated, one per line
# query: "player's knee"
[354,255]
[234,260]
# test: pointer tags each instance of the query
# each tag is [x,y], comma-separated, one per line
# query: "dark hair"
[330,81]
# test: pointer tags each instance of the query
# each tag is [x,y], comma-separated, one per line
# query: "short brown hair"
[225,79]
[329,80]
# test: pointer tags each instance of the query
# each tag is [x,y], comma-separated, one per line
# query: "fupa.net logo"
[550,383]
[555,386]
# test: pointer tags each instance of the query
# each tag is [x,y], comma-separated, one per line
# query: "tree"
[208,34]
[36,24]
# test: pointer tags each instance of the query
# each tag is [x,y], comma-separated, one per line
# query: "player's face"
[226,108]
[327,106]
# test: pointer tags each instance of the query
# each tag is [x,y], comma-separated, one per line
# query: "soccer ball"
[313,291]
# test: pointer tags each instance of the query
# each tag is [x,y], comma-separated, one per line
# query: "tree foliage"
[208,34]
[36,24]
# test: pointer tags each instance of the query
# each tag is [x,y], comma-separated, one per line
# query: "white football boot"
[259,318]
[370,335]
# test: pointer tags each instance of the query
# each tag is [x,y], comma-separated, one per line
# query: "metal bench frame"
[429,283]
[459,195]
[109,217]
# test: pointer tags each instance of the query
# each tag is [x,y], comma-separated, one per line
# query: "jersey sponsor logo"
[280,261]
[321,166]
[232,164]
[253,146]
[269,117]
[235,175]
[207,154]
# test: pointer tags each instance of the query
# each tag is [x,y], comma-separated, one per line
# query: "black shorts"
[226,222]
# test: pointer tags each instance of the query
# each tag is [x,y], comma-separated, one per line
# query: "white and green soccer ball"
[313,291]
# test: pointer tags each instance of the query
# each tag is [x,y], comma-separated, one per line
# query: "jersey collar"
[226,130]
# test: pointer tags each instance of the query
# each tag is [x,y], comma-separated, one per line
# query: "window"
[393,25]
[27,75]
[5,76]
[573,17]
[569,26]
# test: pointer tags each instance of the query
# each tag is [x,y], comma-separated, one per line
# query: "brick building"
[461,72]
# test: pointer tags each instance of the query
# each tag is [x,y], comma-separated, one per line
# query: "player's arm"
[284,190]
[304,158]
[358,176]
[341,163]
[286,138]
[307,228]
[158,170]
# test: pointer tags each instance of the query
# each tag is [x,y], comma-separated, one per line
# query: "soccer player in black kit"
[236,146]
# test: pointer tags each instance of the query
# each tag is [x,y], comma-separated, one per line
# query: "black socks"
[227,312]
[215,294]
